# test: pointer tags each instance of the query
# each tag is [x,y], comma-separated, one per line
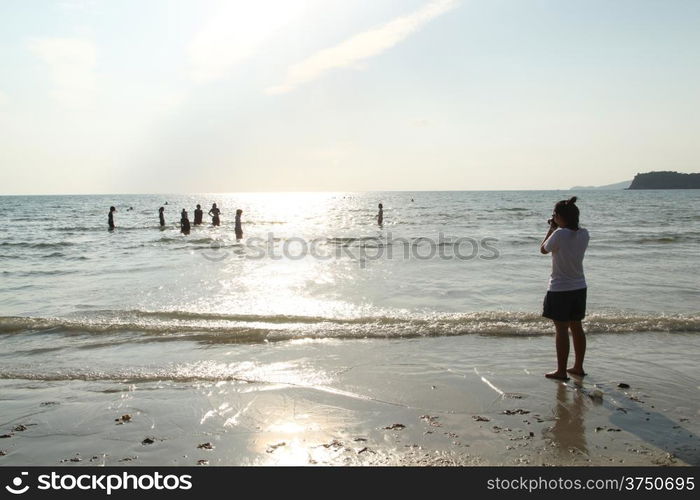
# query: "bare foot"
[557,375]
[578,373]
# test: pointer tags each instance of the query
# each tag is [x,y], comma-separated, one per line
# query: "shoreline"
[466,400]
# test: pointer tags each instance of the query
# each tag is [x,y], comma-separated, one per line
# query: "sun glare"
[235,31]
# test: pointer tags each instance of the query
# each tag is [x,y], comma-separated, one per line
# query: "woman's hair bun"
[571,200]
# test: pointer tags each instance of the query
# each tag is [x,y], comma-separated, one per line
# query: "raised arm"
[552,228]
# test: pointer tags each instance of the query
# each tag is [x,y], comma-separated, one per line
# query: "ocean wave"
[53,255]
[665,239]
[101,228]
[40,245]
[35,272]
[199,371]
[377,241]
[251,328]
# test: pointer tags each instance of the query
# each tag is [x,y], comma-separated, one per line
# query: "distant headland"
[665,180]
[653,180]
[617,185]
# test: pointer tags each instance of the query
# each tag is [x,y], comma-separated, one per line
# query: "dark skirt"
[565,306]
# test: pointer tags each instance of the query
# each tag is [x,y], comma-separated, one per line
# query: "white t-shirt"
[567,247]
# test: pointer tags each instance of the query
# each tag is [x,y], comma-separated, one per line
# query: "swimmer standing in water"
[110,218]
[214,213]
[198,215]
[184,222]
[238,229]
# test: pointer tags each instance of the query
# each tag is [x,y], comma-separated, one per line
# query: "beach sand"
[466,400]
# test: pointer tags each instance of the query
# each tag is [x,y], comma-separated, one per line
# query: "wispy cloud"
[71,63]
[234,33]
[361,46]
[77,4]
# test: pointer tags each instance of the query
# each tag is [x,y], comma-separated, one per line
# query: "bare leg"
[579,339]
[562,344]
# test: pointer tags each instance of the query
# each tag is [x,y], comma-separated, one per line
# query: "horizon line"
[305,192]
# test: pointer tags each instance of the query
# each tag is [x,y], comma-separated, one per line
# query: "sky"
[175,96]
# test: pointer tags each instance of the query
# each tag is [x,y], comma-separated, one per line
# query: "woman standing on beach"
[565,302]
[214,213]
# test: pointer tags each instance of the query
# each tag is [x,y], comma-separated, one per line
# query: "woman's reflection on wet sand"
[567,433]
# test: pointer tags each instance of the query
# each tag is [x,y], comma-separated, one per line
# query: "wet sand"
[468,400]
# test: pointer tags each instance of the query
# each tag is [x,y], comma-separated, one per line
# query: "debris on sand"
[205,446]
[517,411]
[333,444]
[273,447]
[622,385]
[128,459]
[431,420]
[3,453]
[596,394]
[123,419]
[395,427]
[20,428]
[479,418]
[148,440]
[76,458]
[203,462]
[4,436]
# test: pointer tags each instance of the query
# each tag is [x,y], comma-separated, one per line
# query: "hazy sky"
[136,96]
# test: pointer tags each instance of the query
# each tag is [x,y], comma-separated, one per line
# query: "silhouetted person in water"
[198,215]
[110,217]
[238,228]
[184,222]
[161,216]
[380,215]
[214,213]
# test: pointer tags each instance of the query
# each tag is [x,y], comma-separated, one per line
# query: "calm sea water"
[68,282]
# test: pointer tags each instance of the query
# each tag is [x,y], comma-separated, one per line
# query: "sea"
[80,301]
